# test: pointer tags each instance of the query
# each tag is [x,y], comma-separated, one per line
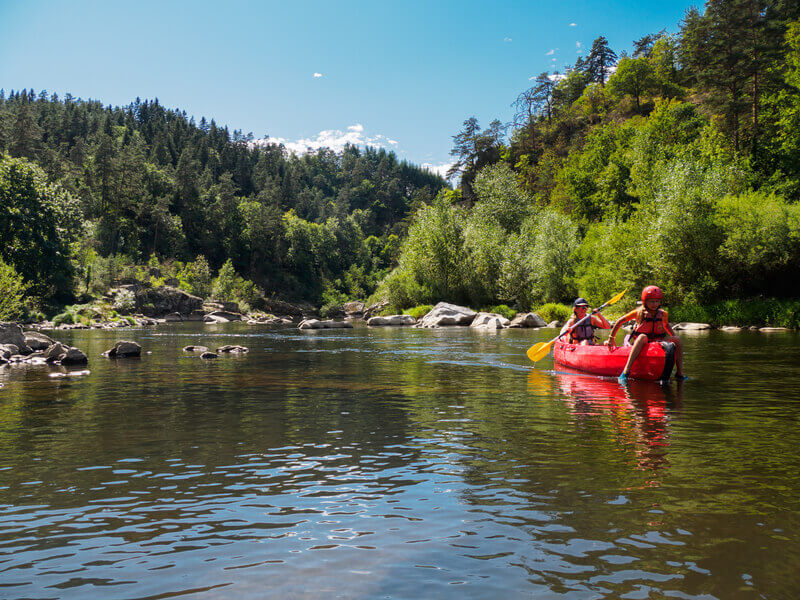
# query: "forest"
[92,195]
[676,164]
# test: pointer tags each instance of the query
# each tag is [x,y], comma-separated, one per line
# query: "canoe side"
[654,363]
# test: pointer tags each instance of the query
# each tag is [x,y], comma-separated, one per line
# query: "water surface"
[399,463]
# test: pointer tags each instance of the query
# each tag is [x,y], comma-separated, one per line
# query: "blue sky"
[401,75]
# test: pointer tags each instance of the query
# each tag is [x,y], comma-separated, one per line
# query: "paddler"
[584,333]
[651,325]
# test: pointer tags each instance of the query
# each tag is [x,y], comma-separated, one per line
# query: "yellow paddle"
[538,351]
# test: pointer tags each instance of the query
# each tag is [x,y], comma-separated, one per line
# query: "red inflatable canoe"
[654,363]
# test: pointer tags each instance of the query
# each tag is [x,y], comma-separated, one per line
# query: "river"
[398,463]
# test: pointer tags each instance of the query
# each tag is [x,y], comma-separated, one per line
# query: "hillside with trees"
[89,194]
[676,164]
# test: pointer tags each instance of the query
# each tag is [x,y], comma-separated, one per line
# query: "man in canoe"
[651,325]
[584,333]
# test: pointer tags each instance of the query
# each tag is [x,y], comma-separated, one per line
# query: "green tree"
[38,222]
[633,77]
[600,60]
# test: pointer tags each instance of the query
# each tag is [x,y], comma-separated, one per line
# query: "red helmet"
[652,292]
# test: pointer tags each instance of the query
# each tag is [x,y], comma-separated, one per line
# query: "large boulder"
[310,324]
[124,349]
[38,341]
[445,315]
[529,319]
[74,356]
[391,321]
[280,308]
[11,333]
[485,320]
[160,301]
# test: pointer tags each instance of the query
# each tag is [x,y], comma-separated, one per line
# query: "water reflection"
[639,413]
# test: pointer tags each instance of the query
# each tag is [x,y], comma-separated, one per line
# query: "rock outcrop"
[160,301]
[446,315]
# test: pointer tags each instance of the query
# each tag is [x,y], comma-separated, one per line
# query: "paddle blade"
[538,351]
[616,298]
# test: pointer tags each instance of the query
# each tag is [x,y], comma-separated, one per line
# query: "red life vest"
[655,330]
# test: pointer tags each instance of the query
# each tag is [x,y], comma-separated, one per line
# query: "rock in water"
[124,349]
[445,315]
[195,349]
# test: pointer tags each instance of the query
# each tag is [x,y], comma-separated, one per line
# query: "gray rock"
[38,341]
[353,309]
[11,333]
[195,349]
[445,314]
[124,349]
[160,301]
[731,328]
[489,321]
[692,326]
[310,324]
[7,350]
[74,357]
[375,308]
[554,324]
[774,329]
[55,352]
[331,324]
[214,319]
[529,319]
[208,355]
[173,317]
[392,321]
[227,316]
[232,349]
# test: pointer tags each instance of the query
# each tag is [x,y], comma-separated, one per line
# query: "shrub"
[553,311]
[125,301]
[12,299]
[502,309]
[418,311]
[65,317]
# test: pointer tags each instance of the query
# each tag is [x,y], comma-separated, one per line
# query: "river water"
[398,463]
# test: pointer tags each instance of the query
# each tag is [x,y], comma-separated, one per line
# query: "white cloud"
[573,24]
[438,169]
[317,75]
[508,39]
[556,76]
[551,52]
[335,139]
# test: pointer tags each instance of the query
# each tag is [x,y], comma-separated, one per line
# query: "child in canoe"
[651,325]
[584,333]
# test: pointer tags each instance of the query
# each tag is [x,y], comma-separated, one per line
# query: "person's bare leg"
[639,343]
